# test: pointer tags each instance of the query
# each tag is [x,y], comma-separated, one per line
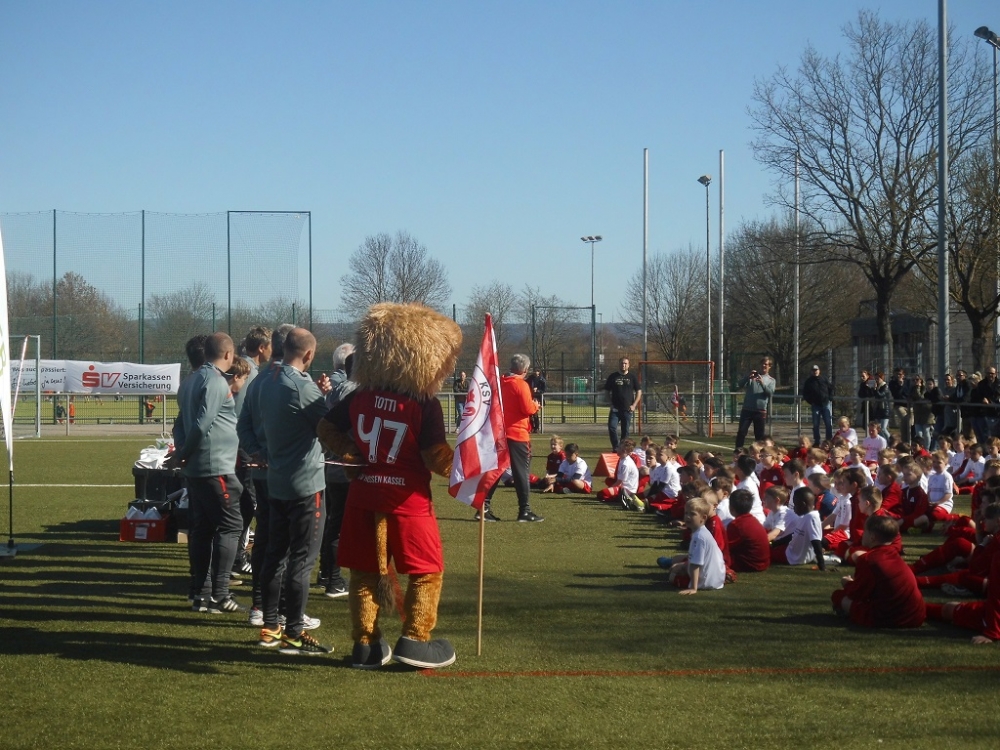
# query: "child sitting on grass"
[573,474]
[704,567]
[977,557]
[804,542]
[845,431]
[626,482]
[883,592]
[887,480]
[746,479]
[826,500]
[552,463]
[749,550]
[869,505]
[776,503]
[664,481]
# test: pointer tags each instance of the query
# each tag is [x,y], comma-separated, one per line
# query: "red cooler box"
[143,530]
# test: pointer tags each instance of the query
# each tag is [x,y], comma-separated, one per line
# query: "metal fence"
[135,286]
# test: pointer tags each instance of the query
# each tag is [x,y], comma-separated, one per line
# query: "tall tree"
[864,126]
[88,324]
[760,286]
[500,301]
[973,242]
[675,304]
[553,324]
[392,269]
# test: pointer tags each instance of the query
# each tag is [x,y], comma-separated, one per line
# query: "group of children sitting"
[833,504]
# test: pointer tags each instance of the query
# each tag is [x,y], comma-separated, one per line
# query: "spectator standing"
[337,482]
[985,401]
[759,388]
[536,381]
[961,396]
[460,387]
[866,396]
[291,407]
[882,406]
[625,394]
[818,393]
[922,409]
[205,447]
[899,387]
[518,406]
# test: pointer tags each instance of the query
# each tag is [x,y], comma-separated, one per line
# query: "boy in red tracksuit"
[869,506]
[892,493]
[972,580]
[915,502]
[883,592]
[848,483]
[746,538]
[980,615]
[772,473]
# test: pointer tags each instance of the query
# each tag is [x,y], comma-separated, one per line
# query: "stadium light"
[994,41]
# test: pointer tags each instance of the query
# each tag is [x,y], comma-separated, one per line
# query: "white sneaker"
[256,618]
[832,560]
[310,623]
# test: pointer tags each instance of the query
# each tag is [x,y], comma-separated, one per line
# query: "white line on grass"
[74,485]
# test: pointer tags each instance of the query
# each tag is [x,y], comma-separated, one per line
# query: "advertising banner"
[53,375]
[121,377]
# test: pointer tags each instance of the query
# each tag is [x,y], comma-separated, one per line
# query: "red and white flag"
[481,453]
[676,398]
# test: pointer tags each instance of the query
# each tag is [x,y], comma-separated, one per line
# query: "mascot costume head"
[392,427]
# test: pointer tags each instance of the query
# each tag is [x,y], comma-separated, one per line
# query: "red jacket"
[884,592]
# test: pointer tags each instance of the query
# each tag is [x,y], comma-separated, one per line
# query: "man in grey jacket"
[759,387]
[205,446]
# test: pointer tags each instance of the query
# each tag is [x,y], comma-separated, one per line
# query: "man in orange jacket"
[518,406]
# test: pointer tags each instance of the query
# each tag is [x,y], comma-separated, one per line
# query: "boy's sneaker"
[310,623]
[336,591]
[832,560]
[303,645]
[665,562]
[566,490]
[371,655]
[952,590]
[529,517]
[488,514]
[200,605]
[225,605]
[256,619]
[270,638]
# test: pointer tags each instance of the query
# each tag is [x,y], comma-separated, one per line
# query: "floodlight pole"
[944,324]
[593,240]
[706,180]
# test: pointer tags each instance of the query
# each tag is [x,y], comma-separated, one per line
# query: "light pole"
[994,41]
[706,180]
[593,240]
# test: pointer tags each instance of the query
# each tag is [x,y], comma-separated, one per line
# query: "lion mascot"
[392,427]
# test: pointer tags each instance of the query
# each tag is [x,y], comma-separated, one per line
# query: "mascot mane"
[406,348]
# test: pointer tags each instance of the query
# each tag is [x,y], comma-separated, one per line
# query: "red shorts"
[414,542]
[587,489]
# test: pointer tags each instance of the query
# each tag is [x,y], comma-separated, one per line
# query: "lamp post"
[593,240]
[994,41]
[706,180]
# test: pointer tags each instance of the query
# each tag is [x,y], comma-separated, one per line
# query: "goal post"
[679,396]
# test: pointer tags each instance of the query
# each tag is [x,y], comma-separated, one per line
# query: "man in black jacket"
[818,393]
[986,398]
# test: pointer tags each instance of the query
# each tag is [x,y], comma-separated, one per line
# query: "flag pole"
[479,603]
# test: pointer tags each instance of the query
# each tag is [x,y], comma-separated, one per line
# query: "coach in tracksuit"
[291,406]
[206,446]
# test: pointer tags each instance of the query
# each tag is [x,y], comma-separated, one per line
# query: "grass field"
[583,645]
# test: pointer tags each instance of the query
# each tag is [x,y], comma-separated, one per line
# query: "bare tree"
[675,300]
[172,318]
[392,269]
[863,127]
[973,239]
[553,324]
[88,324]
[760,296]
[499,300]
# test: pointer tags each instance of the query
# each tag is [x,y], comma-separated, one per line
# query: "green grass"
[98,649]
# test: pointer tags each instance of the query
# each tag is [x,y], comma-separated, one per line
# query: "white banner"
[121,377]
[53,375]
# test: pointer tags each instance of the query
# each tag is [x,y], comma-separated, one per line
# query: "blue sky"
[496,133]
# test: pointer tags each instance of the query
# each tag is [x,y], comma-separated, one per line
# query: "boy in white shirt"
[746,479]
[873,443]
[626,482]
[805,543]
[705,567]
[940,494]
[664,481]
[776,502]
[574,474]
[723,488]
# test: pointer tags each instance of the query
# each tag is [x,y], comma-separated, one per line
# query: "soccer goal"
[678,396]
